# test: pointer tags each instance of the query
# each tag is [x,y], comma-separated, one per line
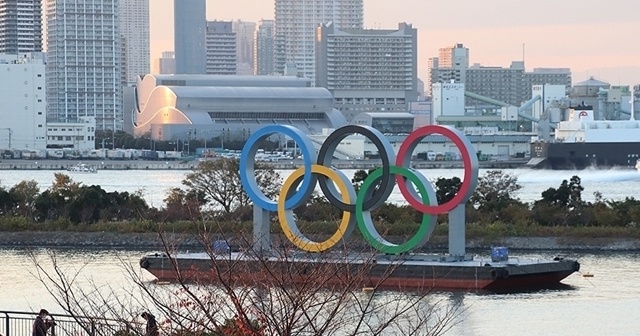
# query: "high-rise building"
[166,63]
[134,29]
[189,36]
[511,84]
[296,23]
[264,48]
[20,26]
[244,46]
[368,70]
[83,62]
[450,65]
[454,57]
[221,48]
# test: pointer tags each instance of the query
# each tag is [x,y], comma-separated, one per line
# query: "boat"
[82,168]
[582,142]
[412,272]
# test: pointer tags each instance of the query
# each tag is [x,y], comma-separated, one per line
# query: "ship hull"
[581,155]
[397,274]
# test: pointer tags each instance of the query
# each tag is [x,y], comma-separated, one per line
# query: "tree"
[324,300]
[181,205]
[447,188]
[359,176]
[494,191]
[219,182]
[563,205]
[568,194]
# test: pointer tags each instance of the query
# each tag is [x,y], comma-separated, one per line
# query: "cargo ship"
[582,142]
[412,272]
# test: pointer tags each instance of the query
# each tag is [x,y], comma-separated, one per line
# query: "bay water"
[605,304]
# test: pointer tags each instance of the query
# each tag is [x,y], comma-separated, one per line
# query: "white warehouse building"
[24,125]
[23,115]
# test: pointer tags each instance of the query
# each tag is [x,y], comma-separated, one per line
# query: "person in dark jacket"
[152,324]
[42,323]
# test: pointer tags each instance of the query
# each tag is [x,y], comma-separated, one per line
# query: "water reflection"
[583,306]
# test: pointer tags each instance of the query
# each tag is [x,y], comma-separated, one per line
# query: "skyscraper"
[221,48]
[134,29]
[244,46]
[189,36]
[264,52]
[166,63]
[296,23]
[20,26]
[83,62]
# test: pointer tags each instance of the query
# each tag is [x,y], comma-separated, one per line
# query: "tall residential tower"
[221,48]
[83,73]
[190,27]
[264,43]
[20,26]
[368,70]
[134,29]
[296,23]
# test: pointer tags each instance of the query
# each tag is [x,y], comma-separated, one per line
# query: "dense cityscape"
[314,66]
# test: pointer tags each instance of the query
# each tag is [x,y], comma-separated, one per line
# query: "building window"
[39,125]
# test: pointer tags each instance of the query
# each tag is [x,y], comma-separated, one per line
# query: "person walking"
[42,324]
[152,325]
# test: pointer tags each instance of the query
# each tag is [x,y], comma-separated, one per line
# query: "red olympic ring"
[470,161]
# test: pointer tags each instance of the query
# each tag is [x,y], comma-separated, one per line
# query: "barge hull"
[400,275]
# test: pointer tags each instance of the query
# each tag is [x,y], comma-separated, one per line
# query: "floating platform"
[405,273]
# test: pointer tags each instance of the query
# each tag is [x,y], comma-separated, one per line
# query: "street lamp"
[204,132]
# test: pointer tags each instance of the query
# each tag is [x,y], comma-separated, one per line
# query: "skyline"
[589,39]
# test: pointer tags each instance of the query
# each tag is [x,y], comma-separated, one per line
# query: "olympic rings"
[387,155]
[347,224]
[247,171]
[469,159]
[369,231]
[375,190]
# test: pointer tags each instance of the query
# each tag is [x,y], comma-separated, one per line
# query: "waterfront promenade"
[188,165]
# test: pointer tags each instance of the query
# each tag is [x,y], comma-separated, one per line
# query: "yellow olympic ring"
[287,221]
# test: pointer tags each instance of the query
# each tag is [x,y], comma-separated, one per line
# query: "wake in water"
[587,175]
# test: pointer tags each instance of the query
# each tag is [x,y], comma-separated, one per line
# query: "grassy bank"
[474,231]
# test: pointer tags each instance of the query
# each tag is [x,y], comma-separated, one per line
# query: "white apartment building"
[264,48]
[134,29]
[20,26]
[23,115]
[221,48]
[368,70]
[83,62]
[244,46]
[296,23]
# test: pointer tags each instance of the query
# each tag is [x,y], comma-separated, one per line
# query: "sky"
[593,38]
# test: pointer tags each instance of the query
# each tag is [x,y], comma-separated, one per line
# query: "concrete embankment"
[150,241]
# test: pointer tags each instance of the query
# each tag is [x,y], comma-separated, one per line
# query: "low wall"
[150,241]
